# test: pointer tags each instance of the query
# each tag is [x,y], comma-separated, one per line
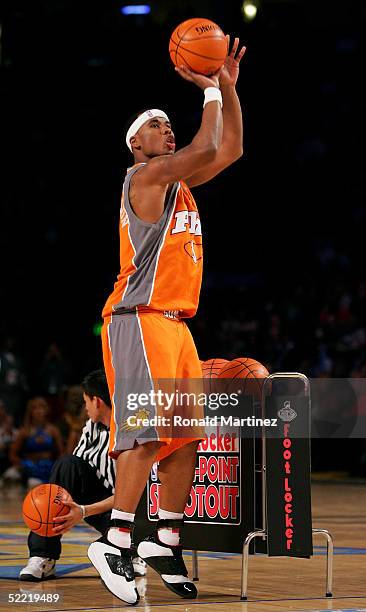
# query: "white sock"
[166,534]
[120,536]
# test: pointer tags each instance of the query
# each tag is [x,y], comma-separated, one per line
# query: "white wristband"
[82,510]
[212,94]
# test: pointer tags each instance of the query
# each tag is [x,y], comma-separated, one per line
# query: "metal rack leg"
[245,561]
[330,549]
[195,566]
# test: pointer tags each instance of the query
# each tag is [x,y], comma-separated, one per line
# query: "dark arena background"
[283,228]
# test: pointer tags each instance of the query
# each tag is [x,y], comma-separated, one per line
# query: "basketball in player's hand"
[41,505]
[199,44]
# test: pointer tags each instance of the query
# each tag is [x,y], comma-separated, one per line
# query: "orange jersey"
[161,263]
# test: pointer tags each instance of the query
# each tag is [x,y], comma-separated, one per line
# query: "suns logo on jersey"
[184,218]
[194,250]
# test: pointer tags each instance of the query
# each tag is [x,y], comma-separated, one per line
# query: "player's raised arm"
[231,147]
[165,169]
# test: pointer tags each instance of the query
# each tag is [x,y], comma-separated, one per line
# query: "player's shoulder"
[135,169]
[150,170]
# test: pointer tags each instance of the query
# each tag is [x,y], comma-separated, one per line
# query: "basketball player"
[144,336]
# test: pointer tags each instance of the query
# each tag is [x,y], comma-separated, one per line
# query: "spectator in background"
[73,418]
[7,435]
[37,445]
[78,424]
[333,406]
[358,450]
[52,377]
[13,384]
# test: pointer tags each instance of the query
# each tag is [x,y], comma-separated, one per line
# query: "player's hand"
[67,521]
[66,498]
[201,80]
[230,70]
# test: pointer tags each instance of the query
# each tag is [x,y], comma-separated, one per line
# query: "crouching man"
[89,477]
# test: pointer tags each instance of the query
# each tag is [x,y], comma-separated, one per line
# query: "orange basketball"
[41,505]
[210,372]
[212,367]
[248,370]
[199,44]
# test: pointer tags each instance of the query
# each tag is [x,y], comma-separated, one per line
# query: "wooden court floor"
[275,585]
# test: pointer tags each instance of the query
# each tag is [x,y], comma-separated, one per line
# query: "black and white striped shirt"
[93,447]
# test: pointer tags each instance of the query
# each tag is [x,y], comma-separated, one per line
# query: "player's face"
[92,408]
[156,137]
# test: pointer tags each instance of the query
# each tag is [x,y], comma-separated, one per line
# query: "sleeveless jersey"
[161,263]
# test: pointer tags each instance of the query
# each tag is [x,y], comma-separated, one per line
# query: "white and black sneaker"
[115,567]
[38,569]
[167,561]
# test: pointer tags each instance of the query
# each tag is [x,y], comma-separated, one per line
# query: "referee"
[89,476]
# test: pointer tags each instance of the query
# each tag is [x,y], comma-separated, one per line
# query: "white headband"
[141,119]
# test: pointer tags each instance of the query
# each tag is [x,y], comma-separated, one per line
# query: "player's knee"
[190,448]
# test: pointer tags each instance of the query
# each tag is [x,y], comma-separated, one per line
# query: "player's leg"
[180,456]
[101,523]
[162,550]
[174,497]
[129,347]
[132,471]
